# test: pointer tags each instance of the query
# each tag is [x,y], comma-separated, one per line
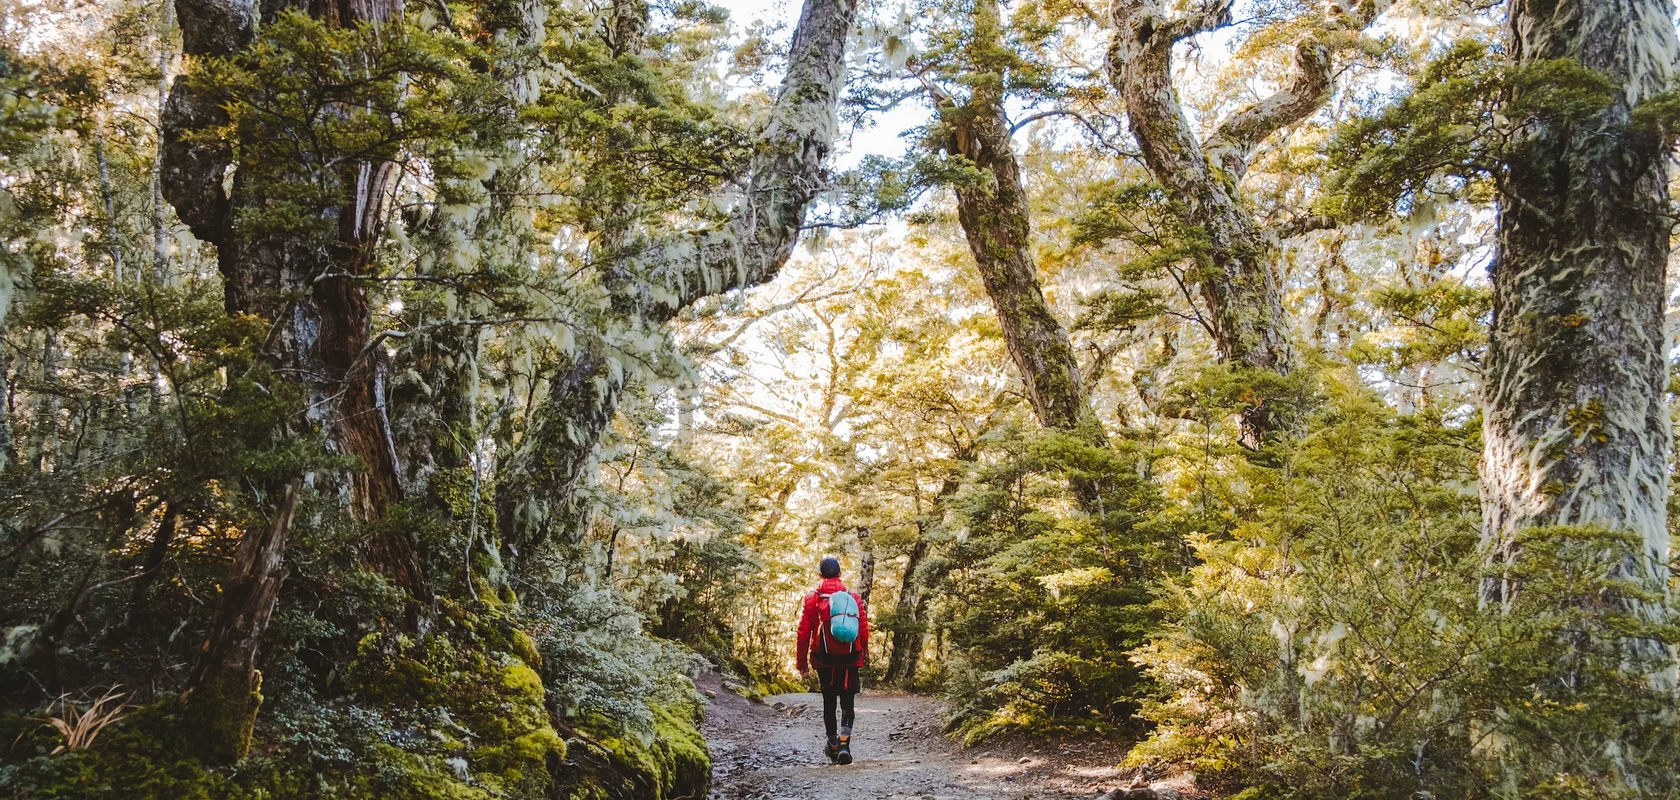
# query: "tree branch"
[1233,144]
[1304,224]
[783,179]
[651,285]
[1230,147]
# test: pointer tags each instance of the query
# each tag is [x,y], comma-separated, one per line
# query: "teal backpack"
[841,624]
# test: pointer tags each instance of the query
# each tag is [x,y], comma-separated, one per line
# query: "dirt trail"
[773,751]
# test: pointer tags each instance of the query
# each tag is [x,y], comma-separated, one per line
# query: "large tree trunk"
[1238,277]
[310,285]
[656,281]
[1576,431]
[995,221]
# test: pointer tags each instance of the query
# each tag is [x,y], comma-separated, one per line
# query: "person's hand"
[805,672]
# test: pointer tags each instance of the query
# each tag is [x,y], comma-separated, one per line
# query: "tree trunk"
[225,691]
[1577,430]
[657,280]
[113,239]
[162,541]
[160,249]
[909,631]
[8,444]
[866,567]
[1238,277]
[44,436]
[323,336]
[309,285]
[995,221]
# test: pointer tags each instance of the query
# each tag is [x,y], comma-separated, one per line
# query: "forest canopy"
[413,399]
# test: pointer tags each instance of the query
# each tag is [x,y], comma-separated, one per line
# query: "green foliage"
[1043,606]
[308,99]
[1310,640]
[596,659]
[146,427]
[1451,132]
[1334,645]
[134,760]
[1119,310]
[1446,320]
[1440,127]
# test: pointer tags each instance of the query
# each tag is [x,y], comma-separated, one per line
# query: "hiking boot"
[843,753]
[833,750]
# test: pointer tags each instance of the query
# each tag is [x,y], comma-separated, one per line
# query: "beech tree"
[1576,434]
[653,279]
[998,227]
[307,275]
[1577,427]
[1235,253]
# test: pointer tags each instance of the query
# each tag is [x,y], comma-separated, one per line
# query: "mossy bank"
[464,714]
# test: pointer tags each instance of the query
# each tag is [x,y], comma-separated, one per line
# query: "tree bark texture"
[312,290]
[225,691]
[1577,429]
[1236,270]
[995,221]
[660,278]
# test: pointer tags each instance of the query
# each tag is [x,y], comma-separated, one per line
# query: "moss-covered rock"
[483,682]
[671,763]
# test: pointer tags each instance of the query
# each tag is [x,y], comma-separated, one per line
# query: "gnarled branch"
[747,250]
[1230,147]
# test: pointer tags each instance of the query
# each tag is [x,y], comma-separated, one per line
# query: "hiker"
[834,637]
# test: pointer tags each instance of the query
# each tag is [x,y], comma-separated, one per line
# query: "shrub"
[1334,644]
[1045,602]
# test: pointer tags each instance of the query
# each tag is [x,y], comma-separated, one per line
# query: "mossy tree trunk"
[1577,430]
[996,223]
[1237,274]
[654,280]
[310,283]
[224,694]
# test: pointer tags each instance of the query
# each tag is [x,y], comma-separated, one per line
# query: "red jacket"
[810,627]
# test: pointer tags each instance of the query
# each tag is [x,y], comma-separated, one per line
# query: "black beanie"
[830,567]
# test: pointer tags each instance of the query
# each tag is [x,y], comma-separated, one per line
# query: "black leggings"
[838,684]
[847,714]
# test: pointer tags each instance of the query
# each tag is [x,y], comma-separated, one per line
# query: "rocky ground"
[773,751]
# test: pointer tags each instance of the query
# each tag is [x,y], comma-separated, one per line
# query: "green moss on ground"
[501,738]
[144,756]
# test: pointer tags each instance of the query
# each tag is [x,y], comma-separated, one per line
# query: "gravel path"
[773,751]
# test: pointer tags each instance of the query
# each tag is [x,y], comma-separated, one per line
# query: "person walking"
[834,637]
